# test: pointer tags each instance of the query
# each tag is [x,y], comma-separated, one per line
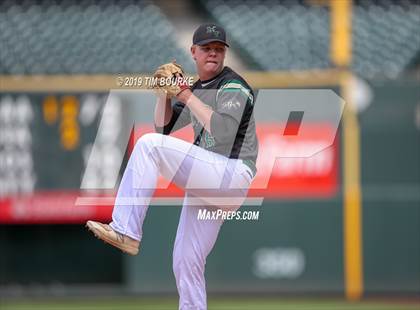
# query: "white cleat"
[107,234]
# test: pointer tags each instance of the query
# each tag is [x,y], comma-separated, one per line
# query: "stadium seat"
[85,37]
[279,35]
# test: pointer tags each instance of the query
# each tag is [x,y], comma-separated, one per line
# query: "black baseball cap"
[207,33]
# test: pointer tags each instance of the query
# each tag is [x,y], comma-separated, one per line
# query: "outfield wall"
[295,247]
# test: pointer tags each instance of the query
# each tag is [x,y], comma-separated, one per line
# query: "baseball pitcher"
[215,171]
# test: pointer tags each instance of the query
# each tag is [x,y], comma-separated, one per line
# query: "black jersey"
[229,95]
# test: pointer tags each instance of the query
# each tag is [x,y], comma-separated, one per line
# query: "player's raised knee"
[149,139]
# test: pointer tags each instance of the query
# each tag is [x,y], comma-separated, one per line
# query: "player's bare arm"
[201,111]
[163,110]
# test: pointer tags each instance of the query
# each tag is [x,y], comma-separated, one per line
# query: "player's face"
[209,59]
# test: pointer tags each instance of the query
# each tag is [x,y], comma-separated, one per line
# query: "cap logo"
[212,29]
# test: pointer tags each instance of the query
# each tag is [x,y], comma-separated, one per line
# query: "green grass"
[214,304]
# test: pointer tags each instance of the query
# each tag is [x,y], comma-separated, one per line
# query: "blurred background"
[344,225]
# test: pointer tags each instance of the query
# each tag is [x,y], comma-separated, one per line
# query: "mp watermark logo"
[294,111]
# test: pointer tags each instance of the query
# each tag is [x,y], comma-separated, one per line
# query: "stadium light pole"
[341,52]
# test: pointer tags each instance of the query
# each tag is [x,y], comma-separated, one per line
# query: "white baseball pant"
[210,181]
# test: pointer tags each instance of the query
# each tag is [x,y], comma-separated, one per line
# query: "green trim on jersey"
[236,86]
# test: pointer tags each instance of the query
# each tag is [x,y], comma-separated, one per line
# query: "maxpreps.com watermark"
[204,215]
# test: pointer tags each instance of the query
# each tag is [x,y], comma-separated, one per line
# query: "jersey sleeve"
[232,99]
[180,118]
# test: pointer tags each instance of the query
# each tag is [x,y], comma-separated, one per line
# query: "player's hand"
[184,88]
[184,95]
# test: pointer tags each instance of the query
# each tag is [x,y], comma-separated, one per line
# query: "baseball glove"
[168,77]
